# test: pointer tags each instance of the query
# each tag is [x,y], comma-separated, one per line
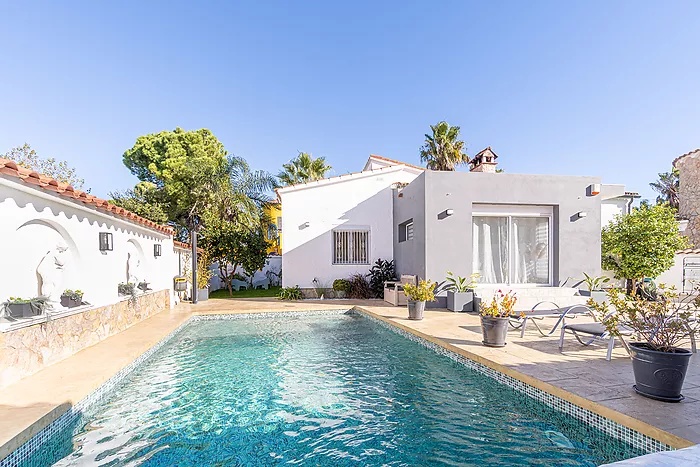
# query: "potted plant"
[143,286]
[460,293]
[71,298]
[204,275]
[417,295]
[595,287]
[494,318]
[16,307]
[660,326]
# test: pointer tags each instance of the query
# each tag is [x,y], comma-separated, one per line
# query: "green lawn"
[223,293]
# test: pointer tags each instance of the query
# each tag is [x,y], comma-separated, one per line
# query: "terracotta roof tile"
[689,251]
[11,169]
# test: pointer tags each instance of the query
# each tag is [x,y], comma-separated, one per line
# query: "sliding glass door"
[512,247]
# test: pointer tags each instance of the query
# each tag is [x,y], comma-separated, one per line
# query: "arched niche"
[136,262]
[33,241]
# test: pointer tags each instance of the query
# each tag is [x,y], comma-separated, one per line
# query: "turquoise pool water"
[321,391]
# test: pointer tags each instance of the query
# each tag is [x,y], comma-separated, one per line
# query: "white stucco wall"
[361,200]
[610,208]
[674,275]
[35,221]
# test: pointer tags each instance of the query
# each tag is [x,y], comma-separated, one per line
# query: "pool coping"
[656,434]
[31,438]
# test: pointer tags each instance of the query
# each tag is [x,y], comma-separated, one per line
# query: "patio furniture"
[534,314]
[595,332]
[393,290]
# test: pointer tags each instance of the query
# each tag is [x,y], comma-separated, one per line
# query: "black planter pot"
[659,375]
[69,302]
[22,310]
[494,330]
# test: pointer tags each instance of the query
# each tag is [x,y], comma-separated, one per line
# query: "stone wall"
[689,194]
[25,351]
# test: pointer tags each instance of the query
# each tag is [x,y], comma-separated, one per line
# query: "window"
[406,231]
[513,248]
[351,247]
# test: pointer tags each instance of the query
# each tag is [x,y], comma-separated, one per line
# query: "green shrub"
[342,285]
[381,272]
[290,293]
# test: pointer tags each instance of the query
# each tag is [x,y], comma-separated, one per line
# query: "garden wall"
[27,350]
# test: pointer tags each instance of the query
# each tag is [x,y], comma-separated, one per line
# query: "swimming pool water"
[319,390]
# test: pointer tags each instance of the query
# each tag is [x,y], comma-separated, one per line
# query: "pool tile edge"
[636,432]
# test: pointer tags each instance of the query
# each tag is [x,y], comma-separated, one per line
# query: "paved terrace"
[579,374]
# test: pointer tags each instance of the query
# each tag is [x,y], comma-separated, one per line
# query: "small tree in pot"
[494,318]
[460,293]
[417,295]
[661,325]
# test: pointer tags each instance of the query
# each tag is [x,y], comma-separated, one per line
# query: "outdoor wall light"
[595,189]
[449,212]
[156,250]
[305,225]
[106,241]
[581,215]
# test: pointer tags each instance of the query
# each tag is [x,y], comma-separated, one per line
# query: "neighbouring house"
[274,232]
[688,166]
[516,230]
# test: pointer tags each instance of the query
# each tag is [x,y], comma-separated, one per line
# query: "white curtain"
[518,256]
[530,250]
[490,249]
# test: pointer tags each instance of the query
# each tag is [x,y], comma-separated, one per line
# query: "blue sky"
[590,88]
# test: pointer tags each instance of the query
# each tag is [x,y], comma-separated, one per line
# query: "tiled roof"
[386,159]
[686,154]
[689,251]
[39,181]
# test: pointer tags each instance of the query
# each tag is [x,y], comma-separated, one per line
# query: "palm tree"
[667,186]
[244,194]
[303,169]
[443,150]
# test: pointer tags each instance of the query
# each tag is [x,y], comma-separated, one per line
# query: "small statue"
[133,267]
[50,270]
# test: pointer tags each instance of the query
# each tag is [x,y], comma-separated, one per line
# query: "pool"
[335,389]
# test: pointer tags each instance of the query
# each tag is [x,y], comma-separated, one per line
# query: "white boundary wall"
[35,221]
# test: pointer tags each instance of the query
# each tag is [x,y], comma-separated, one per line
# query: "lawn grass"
[223,293]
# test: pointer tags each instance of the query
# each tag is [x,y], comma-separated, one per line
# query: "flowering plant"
[662,324]
[423,292]
[500,306]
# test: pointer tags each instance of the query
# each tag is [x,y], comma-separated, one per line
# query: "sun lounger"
[538,312]
[594,332]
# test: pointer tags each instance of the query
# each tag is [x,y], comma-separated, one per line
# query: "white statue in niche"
[133,268]
[50,272]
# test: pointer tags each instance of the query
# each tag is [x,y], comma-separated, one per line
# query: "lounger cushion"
[593,329]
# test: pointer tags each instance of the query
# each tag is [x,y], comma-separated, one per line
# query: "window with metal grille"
[351,247]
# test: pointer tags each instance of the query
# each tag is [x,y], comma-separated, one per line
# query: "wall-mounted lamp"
[305,225]
[106,241]
[156,250]
[581,215]
[449,212]
[595,189]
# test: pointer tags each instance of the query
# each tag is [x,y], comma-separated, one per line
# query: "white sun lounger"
[534,314]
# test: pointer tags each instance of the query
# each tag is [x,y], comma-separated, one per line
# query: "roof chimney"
[484,161]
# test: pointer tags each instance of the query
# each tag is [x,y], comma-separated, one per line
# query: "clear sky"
[609,88]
